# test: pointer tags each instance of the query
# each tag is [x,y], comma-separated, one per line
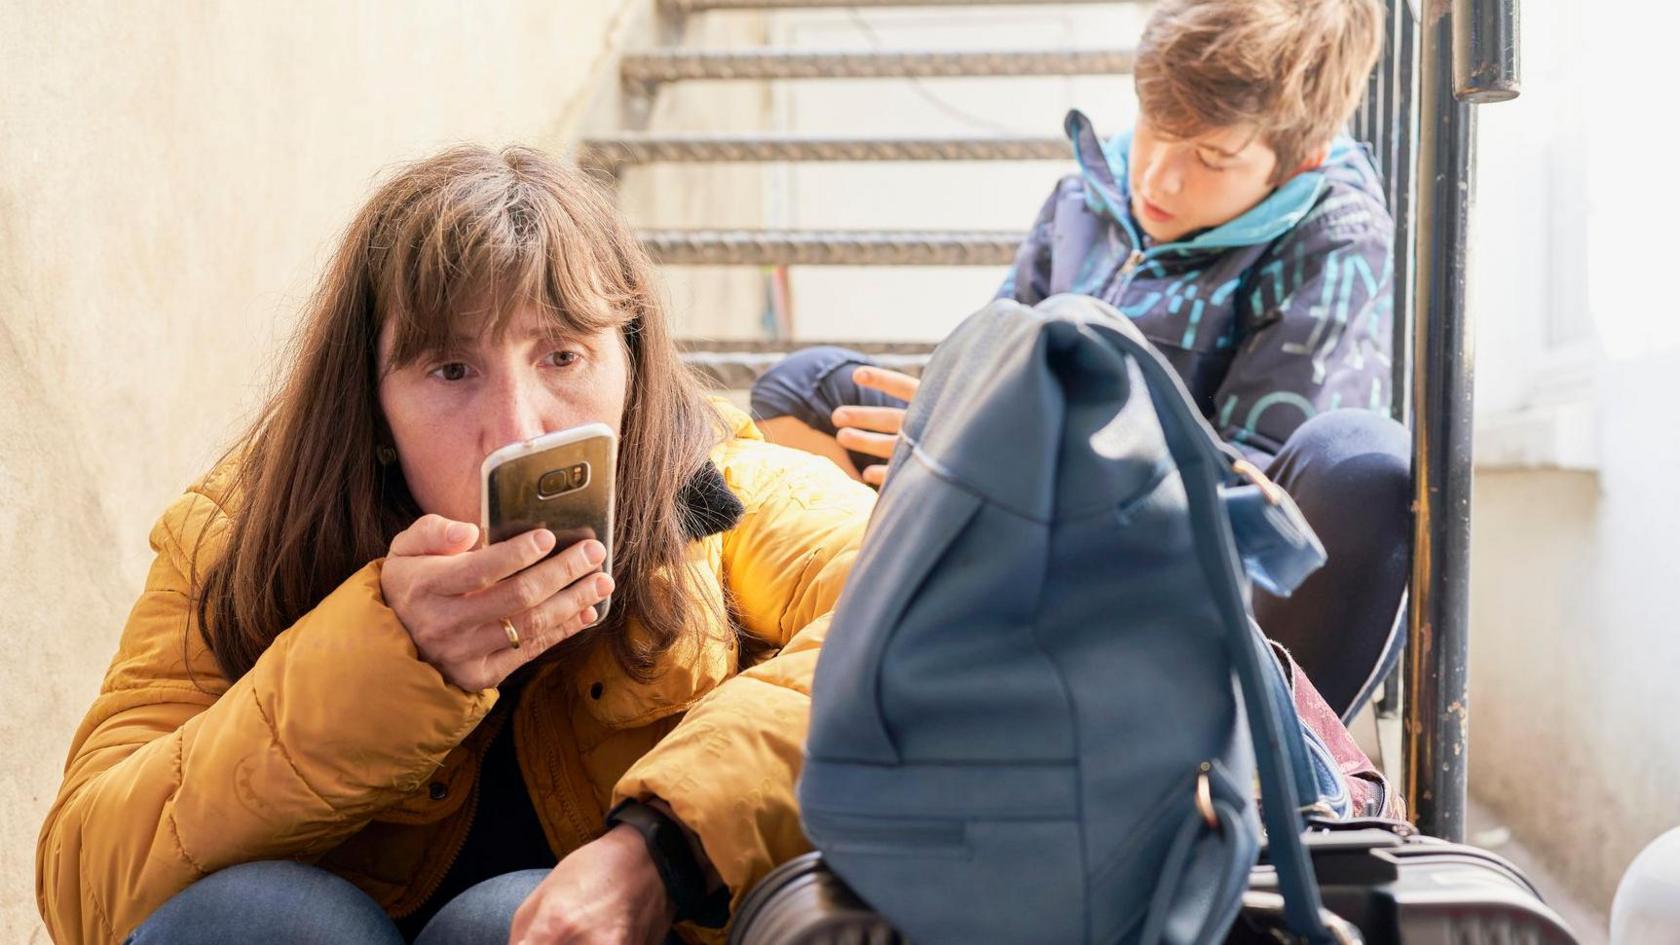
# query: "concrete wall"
[171,176]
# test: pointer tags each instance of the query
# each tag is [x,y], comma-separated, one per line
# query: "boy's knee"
[809,384]
[1353,432]
[1352,455]
[820,359]
[795,386]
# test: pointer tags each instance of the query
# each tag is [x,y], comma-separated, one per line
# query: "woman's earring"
[386,454]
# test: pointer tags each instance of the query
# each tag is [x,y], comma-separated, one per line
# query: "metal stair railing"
[644,72]
[829,247]
[704,6]
[613,154]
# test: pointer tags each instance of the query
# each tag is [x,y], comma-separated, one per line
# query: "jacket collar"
[1103,166]
[707,504]
[699,661]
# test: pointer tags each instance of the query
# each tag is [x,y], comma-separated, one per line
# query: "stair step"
[652,68]
[612,154]
[701,6]
[830,247]
[733,364]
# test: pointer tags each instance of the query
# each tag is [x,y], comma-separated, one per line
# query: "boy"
[1252,246]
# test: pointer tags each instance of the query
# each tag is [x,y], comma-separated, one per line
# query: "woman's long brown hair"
[467,229]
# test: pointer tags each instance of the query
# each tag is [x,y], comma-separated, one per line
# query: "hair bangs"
[467,257]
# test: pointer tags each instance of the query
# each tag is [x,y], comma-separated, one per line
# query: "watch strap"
[679,870]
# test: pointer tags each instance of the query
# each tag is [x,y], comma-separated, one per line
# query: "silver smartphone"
[561,481]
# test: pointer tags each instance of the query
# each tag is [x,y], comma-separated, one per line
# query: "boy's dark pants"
[1348,470]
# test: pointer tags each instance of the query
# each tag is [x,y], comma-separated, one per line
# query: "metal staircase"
[644,75]
[616,153]
[700,6]
[650,69]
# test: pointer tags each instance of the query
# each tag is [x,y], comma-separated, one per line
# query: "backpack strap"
[1205,464]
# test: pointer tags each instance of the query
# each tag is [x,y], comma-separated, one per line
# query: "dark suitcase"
[1400,888]
[1384,884]
[802,903]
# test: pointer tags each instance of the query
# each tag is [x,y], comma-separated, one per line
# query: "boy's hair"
[1294,69]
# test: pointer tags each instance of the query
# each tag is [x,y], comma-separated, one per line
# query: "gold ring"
[512,634]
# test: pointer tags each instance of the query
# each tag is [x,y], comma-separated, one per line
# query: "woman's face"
[448,411]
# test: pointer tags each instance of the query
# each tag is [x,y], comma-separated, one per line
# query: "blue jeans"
[288,903]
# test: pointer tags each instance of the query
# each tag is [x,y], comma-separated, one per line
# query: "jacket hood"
[1103,167]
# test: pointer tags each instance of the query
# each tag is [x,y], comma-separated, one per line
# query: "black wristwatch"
[685,882]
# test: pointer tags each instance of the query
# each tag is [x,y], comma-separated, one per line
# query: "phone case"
[562,481]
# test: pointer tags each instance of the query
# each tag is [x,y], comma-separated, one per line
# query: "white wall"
[1574,643]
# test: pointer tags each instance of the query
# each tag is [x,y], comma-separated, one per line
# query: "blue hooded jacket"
[1270,318]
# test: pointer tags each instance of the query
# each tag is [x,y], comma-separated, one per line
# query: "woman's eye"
[453,371]
[564,358]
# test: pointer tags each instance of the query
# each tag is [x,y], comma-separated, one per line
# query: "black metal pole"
[1437,650]
[1485,64]
[1402,66]
[1437,707]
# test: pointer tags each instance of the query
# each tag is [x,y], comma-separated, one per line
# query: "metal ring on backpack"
[1271,490]
[1204,798]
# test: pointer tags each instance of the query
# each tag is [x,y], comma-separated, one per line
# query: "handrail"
[1436,738]
[1485,64]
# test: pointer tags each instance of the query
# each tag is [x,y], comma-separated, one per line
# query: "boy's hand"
[874,430]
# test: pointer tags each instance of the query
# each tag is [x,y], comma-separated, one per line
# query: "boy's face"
[1181,185]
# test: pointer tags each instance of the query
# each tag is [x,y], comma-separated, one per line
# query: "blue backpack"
[1042,702]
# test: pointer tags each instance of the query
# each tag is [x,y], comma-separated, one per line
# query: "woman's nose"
[514,413]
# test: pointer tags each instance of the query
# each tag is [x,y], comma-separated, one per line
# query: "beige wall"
[170,176]
[1575,654]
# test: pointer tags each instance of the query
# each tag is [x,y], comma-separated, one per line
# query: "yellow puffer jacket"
[342,748]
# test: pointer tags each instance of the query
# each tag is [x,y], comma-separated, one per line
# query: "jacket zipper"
[432,885]
[1127,270]
[460,844]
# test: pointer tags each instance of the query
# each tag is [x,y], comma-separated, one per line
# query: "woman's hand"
[607,892]
[874,430]
[452,599]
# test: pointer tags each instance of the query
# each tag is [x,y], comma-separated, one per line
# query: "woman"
[334,715]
